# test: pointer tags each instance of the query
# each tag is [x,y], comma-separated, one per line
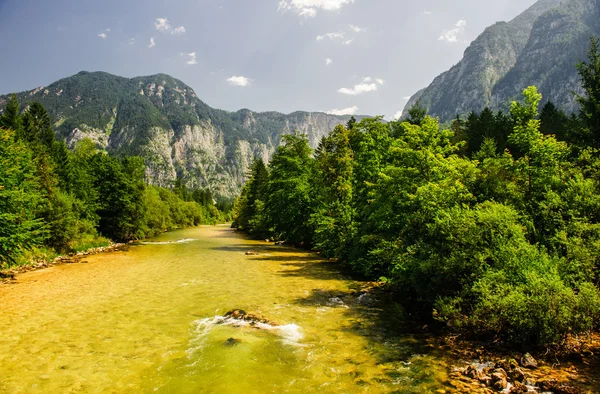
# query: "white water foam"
[290,333]
[179,241]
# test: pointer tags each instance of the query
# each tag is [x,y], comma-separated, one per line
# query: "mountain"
[539,47]
[162,119]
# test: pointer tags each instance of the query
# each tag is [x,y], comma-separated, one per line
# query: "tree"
[11,117]
[20,199]
[332,188]
[120,186]
[416,114]
[38,126]
[589,73]
[289,198]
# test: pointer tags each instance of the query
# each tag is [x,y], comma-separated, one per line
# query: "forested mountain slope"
[162,119]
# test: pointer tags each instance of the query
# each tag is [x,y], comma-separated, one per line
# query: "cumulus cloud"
[328,61]
[191,58]
[104,34]
[367,85]
[309,8]
[332,36]
[308,12]
[152,43]
[452,35]
[397,115]
[178,30]
[239,81]
[344,111]
[164,26]
[357,29]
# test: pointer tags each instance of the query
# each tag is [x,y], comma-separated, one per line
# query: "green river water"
[149,319]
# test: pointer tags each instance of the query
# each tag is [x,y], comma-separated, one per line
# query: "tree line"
[491,225]
[56,200]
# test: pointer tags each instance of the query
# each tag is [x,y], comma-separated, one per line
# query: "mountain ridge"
[538,47]
[162,119]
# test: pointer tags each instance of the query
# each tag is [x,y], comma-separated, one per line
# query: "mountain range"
[539,47]
[162,119]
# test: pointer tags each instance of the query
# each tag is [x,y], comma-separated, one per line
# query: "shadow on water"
[406,352]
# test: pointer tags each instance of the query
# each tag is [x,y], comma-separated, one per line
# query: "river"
[150,319]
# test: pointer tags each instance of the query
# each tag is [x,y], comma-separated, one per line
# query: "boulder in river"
[499,381]
[528,361]
[240,314]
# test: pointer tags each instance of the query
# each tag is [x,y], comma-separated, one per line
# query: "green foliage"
[289,193]
[589,73]
[20,199]
[501,239]
[53,200]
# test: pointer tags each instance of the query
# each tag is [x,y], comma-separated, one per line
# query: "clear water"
[150,319]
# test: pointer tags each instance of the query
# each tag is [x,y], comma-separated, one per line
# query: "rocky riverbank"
[8,275]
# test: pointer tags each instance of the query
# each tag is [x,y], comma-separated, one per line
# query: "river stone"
[528,361]
[499,381]
[231,342]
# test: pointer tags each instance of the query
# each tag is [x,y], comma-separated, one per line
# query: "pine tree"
[11,117]
[589,72]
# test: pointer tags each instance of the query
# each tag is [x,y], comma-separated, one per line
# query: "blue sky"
[353,56]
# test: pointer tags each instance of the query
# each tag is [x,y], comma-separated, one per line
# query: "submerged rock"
[231,342]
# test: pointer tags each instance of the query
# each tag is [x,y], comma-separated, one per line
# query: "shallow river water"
[149,319]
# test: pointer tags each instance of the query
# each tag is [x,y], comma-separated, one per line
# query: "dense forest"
[491,225]
[55,200]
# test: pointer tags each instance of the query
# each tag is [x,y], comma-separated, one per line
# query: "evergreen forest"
[490,224]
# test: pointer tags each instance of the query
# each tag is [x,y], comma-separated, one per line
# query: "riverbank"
[42,260]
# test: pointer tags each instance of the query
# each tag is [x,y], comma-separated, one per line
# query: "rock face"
[539,47]
[161,119]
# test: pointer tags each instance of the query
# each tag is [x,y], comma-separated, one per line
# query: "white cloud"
[152,43]
[397,115]
[348,42]
[239,81]
[162,24]
[104,34]
[191,57]
[332,36]
[328,61]
[357,29]
[132,41]
[406,98]
[428,13]
[367,85]
[344,111]
[178,30]
[309,8]
[308,12]
[359,89]
[452,35]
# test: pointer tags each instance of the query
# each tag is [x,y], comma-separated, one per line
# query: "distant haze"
[339,56]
